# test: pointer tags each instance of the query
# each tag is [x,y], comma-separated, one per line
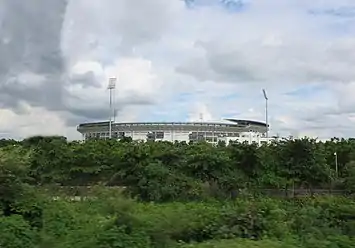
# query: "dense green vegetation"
[176,195]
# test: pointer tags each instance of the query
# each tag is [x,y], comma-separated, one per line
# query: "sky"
[177,60]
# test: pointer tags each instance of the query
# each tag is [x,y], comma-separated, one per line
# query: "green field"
[176,195]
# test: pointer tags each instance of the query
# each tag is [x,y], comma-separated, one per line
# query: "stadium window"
[159,135]
[150,136]
[193,136]
[200,138]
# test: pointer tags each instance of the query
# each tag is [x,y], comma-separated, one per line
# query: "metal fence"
[83,191]
[302,192]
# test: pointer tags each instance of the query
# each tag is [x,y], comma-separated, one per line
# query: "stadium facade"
[210,131]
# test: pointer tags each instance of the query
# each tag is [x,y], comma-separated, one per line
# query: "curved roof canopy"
[248,122]
[225,121]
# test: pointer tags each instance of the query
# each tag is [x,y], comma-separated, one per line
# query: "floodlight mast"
[111,86]
[266,113]
[336,163]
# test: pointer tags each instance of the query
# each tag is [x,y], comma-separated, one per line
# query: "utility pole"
[336,163]
[111,86]
[266,114]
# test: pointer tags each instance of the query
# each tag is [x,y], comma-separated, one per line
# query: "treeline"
[195,183]
[163,171]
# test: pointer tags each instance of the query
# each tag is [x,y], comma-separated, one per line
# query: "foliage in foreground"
[185,195]
[111,220]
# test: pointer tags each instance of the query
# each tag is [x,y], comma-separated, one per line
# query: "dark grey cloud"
[31,30]
[81,115]
[48,94]
[45,38]
[30,42]
[101,111]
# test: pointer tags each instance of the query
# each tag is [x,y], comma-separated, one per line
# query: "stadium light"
[336,163]
[111,86]
[266,113]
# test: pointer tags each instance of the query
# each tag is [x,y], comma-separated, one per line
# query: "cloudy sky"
[175,59]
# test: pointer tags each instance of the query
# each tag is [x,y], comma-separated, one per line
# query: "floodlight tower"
[111,86]
[266,113]
[336,163]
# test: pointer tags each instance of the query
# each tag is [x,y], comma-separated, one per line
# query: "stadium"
[209,131]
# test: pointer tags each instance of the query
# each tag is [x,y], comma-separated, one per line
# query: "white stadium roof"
[223,121]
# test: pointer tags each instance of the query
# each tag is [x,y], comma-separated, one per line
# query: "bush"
[15,232]
[240,243]
[195,195]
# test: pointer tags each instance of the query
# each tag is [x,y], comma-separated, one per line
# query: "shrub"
[15,232]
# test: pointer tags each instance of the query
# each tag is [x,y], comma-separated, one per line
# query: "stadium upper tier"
[209,131]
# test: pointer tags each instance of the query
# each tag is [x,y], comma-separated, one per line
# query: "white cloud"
[201,113]
[33,121]
[159,50]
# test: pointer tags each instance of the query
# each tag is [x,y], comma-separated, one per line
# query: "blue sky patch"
[343,12]
[230,96]
[230,5]
[306,91]
[185,97]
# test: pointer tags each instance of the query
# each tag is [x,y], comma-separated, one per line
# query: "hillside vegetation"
[176,195]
